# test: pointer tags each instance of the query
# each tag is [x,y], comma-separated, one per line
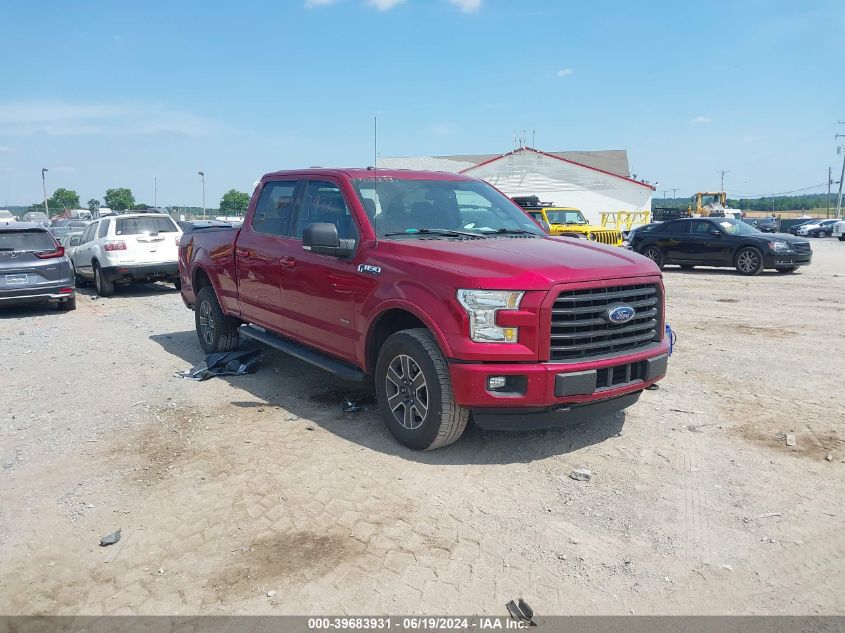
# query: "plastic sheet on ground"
[235,363]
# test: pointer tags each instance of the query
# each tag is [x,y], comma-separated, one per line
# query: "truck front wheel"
[415,391]
[215,331]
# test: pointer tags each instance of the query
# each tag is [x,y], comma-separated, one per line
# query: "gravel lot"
[232,488]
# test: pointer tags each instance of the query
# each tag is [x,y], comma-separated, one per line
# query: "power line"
[781,193]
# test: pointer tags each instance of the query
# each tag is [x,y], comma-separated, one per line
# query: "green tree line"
[803,202]
[233,202]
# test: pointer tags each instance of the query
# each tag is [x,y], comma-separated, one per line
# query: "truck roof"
[370,172]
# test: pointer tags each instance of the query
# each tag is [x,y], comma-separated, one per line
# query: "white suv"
[839,230]
[125,249]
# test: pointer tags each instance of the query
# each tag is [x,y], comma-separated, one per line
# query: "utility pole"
[202,173]
[723,172]
[674,191]
[840,149]
[44,170]
[665,197]
[829,182]
[841,178]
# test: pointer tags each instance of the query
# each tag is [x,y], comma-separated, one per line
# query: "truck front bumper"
[542,395]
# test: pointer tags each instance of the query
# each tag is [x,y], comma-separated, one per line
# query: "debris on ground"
[581,474]
[235,363]
[790,439]
[351,406]
[110,539]
[270,594]
[829,457]
[521,612]
[769,515]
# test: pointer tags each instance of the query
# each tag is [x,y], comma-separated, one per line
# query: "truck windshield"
[565,217]
[401,208]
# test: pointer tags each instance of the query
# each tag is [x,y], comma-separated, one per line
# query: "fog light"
[496,382]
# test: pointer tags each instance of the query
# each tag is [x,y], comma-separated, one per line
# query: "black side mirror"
[321,238]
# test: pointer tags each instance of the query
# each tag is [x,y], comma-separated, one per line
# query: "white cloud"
[383,5]
[5,149]
[98,119]
[313,4]
[700,120]
[467,6]
[565,72]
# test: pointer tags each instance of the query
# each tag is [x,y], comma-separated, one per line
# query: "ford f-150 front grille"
[582,327]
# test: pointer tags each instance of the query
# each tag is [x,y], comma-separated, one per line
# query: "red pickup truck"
[438,290]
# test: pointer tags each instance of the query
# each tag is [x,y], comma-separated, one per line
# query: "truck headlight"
[482,306]
[779,246]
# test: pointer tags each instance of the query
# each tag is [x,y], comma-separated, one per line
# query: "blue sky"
[109,94]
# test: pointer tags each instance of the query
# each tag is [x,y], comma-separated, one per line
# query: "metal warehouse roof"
[614,161]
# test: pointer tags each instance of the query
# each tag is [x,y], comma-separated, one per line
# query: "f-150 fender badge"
[370,270]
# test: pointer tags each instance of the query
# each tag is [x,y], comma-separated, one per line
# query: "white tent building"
[589,181]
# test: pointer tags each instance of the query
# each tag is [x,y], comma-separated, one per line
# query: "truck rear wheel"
[414,392]
[215,331]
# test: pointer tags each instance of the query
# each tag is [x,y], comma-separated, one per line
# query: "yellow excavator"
[708,203]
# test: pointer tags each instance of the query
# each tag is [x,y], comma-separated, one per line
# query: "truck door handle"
[288,262]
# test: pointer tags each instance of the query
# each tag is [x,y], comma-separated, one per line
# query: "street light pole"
[44,170]
[202,173]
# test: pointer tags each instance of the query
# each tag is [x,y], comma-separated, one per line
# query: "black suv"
[767,225]
[721,242]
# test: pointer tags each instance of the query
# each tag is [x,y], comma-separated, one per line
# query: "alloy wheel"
[206,322]
[748,261]
[407,391]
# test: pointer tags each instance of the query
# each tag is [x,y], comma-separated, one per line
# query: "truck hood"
[524,263]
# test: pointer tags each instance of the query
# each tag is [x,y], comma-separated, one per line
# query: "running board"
[340,369]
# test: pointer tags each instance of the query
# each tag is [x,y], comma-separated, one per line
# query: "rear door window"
[140,226]
[104,229]
[679,227]
[19,241]
[274,208]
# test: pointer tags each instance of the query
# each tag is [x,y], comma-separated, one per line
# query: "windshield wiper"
[443,232]
[512,232]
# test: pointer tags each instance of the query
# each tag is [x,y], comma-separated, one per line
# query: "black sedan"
[794,228]
[721,242]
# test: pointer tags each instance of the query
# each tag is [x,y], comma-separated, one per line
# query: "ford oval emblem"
[620,314]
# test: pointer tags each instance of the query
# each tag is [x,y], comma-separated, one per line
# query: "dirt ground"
[234,488]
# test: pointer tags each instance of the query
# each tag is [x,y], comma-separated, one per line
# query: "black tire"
[105,288]
[687,267]
[748,261]
[787,269]
[216,331]
[654,254]
[416,354]
[177,283]
[66,305]
[842,238]
[821,234]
